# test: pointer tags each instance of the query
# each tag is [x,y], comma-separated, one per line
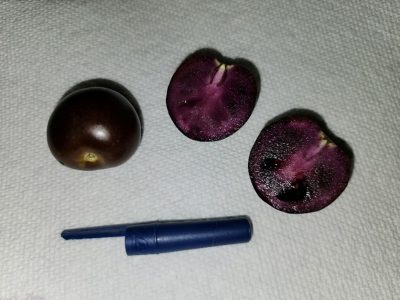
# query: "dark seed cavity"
[269,164]
[296,192]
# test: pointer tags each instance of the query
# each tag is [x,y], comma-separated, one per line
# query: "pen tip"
[64,235]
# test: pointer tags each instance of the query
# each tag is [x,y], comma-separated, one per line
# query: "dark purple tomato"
[208,99]
[296,167]
[93,128]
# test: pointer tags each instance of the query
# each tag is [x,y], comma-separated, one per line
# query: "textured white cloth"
[338,58]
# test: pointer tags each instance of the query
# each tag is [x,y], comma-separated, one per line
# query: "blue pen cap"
[161,237]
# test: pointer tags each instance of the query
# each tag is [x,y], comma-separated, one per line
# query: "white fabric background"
[338,58]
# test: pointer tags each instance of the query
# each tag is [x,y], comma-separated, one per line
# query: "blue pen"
[168,236]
